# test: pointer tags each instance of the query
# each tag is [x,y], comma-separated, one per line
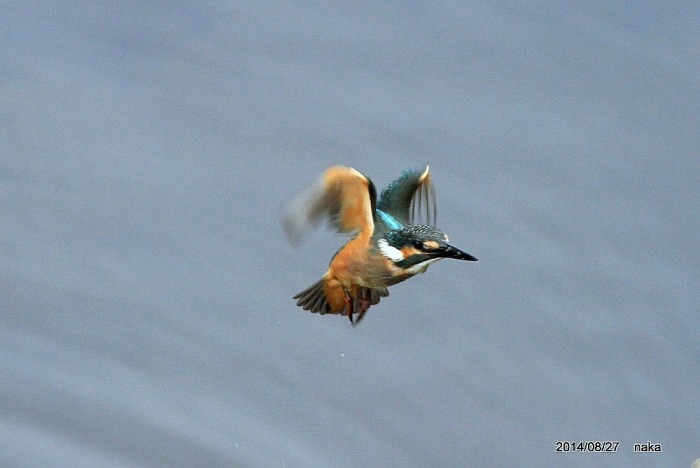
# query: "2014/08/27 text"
[588,446]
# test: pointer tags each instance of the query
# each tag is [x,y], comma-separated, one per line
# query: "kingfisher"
[386,247]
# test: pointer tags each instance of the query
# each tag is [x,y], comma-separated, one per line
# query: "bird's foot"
[349,305]
[357,305]
[364,305]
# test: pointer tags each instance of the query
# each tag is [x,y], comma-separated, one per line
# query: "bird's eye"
[418,244]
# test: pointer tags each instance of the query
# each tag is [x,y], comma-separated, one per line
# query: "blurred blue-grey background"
[146,149]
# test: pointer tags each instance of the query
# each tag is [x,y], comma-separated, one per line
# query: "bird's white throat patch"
[389,251]
[421,267]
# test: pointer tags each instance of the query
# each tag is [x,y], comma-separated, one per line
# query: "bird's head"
[413,248]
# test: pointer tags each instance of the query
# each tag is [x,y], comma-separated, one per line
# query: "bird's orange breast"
[349,270]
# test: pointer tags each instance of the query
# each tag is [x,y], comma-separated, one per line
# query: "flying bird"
[386,248]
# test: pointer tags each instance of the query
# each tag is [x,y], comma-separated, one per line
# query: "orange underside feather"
[349,192]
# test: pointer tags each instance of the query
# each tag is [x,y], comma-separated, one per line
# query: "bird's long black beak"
[447,251]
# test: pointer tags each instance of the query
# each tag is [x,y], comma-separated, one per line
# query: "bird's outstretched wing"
[410,198]
[343,196]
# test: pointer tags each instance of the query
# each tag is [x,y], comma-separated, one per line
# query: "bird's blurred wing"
[410,198]
[343,196]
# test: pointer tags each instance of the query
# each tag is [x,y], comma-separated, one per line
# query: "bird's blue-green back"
[404,200]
